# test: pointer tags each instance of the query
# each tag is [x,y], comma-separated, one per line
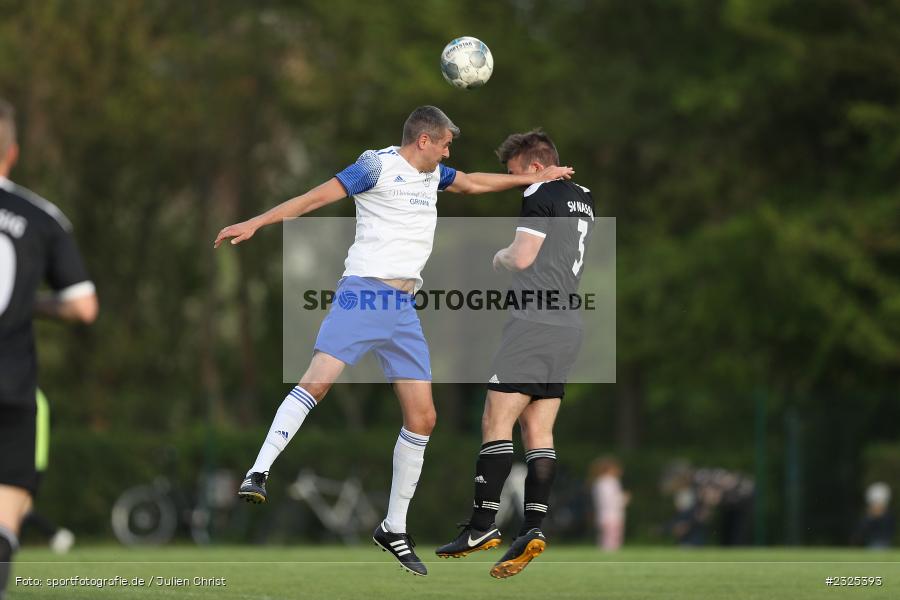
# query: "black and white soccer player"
[395,190]
[36,245]
[540,343]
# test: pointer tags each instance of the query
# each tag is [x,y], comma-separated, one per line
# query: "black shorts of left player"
[18,439]
[534,359]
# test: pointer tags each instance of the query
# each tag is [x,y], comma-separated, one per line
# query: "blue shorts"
[368,314]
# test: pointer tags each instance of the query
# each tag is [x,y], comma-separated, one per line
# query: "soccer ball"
[467,63]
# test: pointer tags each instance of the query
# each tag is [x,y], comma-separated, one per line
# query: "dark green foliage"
[749,150]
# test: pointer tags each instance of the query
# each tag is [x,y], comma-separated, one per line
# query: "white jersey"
[609,499]
[396,213]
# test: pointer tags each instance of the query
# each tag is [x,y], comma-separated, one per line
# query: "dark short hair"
[534,145]
[429,120]
[7,126]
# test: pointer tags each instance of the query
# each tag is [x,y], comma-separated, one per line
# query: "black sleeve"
[64,265]
[537,209]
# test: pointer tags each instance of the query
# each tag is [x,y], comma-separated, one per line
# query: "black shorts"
[534,359]
[18,444]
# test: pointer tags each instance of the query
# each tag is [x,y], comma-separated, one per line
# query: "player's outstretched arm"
[480,183]
[322,195]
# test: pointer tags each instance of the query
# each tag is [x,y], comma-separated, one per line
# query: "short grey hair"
[7,126]
[429,120]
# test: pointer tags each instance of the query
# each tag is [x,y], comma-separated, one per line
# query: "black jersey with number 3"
[561,212]
[36,246]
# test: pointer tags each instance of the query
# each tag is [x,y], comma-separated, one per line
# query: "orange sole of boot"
[252,497]
[486,546]
[508,568]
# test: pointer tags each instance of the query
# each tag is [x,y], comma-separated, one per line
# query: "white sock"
[287,421]
[409,455]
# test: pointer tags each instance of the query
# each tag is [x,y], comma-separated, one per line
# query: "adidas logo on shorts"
[494,379]
[480,479]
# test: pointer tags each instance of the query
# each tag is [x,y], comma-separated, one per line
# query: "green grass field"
[336,573]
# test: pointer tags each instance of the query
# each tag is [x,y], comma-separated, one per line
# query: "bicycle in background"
[151,514]
[343,507]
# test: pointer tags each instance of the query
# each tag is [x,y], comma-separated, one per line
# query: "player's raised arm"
[480,183]
[321,195]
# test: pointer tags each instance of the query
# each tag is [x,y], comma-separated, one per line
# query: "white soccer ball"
[467,63]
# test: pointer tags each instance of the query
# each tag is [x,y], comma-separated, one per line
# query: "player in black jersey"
[36,246]
[540,343]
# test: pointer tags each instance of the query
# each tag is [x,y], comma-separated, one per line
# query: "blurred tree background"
[750,150]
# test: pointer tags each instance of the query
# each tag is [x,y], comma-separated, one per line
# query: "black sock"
[8,545]
[541,471]
[491,471]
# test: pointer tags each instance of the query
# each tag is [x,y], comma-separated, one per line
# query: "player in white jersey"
[395,191]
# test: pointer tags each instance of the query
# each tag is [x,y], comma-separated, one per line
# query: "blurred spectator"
[609,502]
[688,526]
[876,528]
[723,500]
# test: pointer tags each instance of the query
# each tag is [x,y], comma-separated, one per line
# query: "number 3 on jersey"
[579,262]
[7,271]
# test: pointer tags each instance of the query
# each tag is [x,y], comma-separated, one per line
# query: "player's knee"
[429,420]
[422,422]
[488,426]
